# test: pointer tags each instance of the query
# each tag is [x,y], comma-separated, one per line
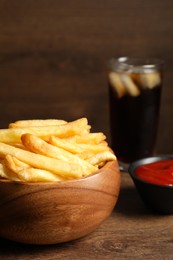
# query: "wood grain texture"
[58,212]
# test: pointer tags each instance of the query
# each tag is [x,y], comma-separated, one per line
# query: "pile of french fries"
[51,150]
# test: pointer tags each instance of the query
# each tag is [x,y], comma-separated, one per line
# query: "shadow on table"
[130,203]
[10,249]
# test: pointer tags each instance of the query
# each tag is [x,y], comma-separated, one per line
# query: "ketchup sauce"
[160,172]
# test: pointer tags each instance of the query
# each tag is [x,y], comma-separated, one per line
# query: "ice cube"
[116,83]
[150,80]
[131,88]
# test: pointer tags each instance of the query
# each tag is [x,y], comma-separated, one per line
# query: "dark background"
[53,57]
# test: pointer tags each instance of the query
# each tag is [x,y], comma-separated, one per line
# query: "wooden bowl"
[50,213]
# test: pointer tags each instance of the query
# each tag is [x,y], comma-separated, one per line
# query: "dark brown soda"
[134,122]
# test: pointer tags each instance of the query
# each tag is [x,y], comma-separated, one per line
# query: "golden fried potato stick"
[2,171]
[94,148]
[5,173]
[58,167]
[102,157]
[91,150]
[37,122]
[18,145]
[14,164]
[13,135]
[86,155]
[37,145]
[78,148]
[88,138]
[38,175]
[65,144]
[26,173]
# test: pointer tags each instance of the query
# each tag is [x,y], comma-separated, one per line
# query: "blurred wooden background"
[53,57]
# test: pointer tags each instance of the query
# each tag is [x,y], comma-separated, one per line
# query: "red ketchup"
[160,172]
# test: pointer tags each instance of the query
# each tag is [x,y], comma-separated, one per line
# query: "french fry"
[78,148]
[58,167]
[37,145]
[28,174]
[91,151]
[102,158]
[5,173]
[94,148]
[90,138]
[86,155]
[14,164]
[37,122]
[38,175]
[69,129]
[65,144]
[18,145]
[2,171]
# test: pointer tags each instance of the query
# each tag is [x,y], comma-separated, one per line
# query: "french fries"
[51,150]
[26,173]
[90,138]
[36,122]
[72,128]
[99,158]
[37,145]
[79,147]
[5,173]
[42,162]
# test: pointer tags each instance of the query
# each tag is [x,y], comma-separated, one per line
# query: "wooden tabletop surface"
[131,232]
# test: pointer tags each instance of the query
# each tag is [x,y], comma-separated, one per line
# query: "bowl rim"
[69,181]
[148,160]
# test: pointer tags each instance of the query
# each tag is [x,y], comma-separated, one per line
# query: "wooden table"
[131,232]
